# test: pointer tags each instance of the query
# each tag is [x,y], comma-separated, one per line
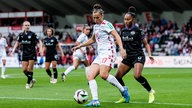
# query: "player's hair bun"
[97,6]
[132,11]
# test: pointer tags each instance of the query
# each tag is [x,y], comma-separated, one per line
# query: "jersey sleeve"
[108,27]
[80,39]
[56,41]
[142,34]
[19,37]
[5,43]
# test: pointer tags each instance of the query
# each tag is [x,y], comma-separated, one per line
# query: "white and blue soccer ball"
[81,96]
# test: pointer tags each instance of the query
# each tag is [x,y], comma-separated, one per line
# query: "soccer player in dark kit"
[133,38]
[50,48]
[28,40]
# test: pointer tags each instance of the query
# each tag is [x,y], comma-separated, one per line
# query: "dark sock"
[121,81]
[26,73]
[30,77]
[144,83]
[55,73]
[49,72]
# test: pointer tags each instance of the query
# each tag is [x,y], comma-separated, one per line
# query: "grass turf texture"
[173,90]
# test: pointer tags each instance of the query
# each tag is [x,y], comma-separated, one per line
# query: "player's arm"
[89,42]
[119,43]
[77,43]
[14,48]
[40,47]
[148,49]
[60,49]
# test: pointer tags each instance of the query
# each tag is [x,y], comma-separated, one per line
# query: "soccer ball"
[81,96]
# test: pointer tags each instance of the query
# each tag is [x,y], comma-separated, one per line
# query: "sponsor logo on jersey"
[52,40]
[132,33]
[29,36]
[25,42]
[110,26]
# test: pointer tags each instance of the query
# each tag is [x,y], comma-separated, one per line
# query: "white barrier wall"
[160,62]
[167,62]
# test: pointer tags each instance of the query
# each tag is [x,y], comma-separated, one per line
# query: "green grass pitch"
[173,90]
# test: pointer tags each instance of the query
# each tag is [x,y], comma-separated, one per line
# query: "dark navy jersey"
[51,45]
[132,40]
[28,41]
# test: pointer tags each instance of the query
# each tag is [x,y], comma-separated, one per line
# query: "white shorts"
[80,56]
[105,59]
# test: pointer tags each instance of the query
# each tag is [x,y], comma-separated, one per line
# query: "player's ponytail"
[98,8]
[132,11]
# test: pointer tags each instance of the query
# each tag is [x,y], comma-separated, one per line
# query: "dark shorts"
[49,58]
[29,57]
[131,60]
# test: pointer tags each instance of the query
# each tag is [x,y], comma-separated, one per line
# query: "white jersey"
[78,53]
[106,47]
[3,44]
[104,39]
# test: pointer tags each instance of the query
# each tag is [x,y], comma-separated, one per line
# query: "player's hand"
[76,47]
[152,59]
[123,53]
[11,53]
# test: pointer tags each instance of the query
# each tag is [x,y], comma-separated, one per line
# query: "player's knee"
[103,76]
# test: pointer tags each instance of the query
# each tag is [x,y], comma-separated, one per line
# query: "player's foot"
[63,77]
[54,81]
[93,103]
[151,96]
[125,94]
[121,100]
[32,82]
[27,86]
[3,76]
[51,78]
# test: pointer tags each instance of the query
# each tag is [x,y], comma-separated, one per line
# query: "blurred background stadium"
[167,25]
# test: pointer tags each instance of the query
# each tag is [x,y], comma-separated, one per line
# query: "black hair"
[132,11]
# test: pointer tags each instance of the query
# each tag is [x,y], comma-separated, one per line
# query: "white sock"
[69,70]
[87,70]
[93,88]
[112,80]
[3,70]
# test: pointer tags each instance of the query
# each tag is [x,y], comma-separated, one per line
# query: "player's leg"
[47,68]
[93,72]
[25,71]
[104,73]
[121,71]
[138,67]
[87,66]
[76,63]
[3,67]
[30,69]
[55,73]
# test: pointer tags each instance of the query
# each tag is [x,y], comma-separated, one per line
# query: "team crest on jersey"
[52,40]
[132,32]
[29,36]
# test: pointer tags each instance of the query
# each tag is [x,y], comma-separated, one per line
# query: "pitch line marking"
[67,99]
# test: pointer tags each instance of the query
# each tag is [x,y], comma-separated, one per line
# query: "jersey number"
[104,60]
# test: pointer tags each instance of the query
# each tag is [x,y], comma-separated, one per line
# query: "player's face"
[26,26]
[128,19]
[97,17]
[49,32]
[86,30]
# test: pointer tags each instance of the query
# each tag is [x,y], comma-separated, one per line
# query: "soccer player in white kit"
[3,45]
[103,34]
[79,55]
